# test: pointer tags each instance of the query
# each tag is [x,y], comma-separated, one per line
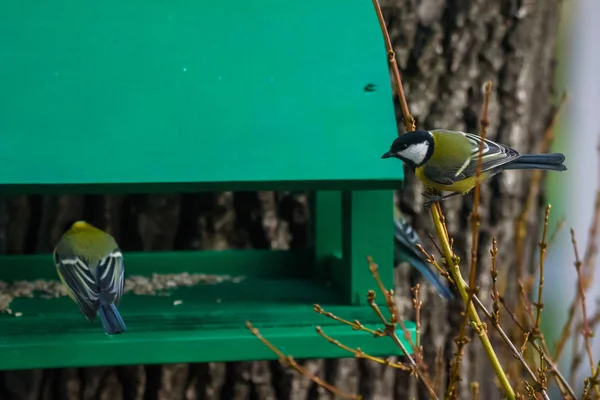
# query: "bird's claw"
[434,198]
[431,201]
[431,198]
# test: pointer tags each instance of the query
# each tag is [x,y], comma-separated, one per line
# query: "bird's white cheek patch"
[415,153]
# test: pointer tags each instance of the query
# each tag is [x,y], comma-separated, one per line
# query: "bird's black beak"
[388,155]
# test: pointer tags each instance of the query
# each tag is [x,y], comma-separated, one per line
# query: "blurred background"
[578,135]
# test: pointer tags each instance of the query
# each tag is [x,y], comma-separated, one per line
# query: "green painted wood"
[145,92]
[208,325]
[117,188]
[366,231]
[150,97]
[254,263]
[327,231]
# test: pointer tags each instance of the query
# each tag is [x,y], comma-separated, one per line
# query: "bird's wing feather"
[407,237]
[80,282]
[406,242]
[465,164]
[110,276]
[440,174]
[493,155]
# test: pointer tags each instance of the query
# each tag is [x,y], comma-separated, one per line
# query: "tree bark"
[446,50]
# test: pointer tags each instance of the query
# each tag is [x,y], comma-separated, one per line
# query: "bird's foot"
[434,198]
[431,199]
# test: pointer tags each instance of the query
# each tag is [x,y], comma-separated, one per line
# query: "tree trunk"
[446,50]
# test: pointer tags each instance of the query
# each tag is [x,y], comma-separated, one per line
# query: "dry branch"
[586,332]
[479,326]
[289,362]
[409,121]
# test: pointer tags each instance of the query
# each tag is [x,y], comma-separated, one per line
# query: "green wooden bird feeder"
[182,96]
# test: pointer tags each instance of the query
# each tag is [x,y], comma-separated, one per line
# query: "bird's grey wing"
[110,276]
[493,156]
[441,174]
[80,281]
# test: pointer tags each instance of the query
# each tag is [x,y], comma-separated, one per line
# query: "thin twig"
[417,306]
[432,238]
[437,266]
[592,321]
[591,383]
[589,263]
[561,381]
[575,359]
[539,304]
[475,390]
[460,284]
[533,334]
[439,369]
[461,340]
[475,216]
[516,353]
[586,331]
[356,325]
[528,307]
[591,250]
[390,330]
[495,295]
[390,327]
[409,121]
[358,353]
[534,189]
[289,362]
[390,302]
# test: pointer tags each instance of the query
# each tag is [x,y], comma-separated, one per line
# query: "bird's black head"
[414,148]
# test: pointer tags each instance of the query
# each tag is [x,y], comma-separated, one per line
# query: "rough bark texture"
[447,49]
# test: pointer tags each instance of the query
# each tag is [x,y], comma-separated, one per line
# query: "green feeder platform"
[186,96]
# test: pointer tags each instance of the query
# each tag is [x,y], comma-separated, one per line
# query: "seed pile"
[155,285]
[160,284]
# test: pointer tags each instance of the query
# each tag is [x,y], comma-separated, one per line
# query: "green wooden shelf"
[208,325]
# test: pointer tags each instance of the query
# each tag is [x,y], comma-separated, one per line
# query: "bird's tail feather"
[551,161]
[433,278]
[111,319]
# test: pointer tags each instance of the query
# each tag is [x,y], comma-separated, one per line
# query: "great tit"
[406,250]
[90,265]
[447,160]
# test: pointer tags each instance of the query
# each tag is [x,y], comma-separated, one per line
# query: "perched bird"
[90,265]
[406,250]
[447,160]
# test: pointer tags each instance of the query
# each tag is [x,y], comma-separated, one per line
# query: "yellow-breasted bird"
[90,264]
[447,160]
